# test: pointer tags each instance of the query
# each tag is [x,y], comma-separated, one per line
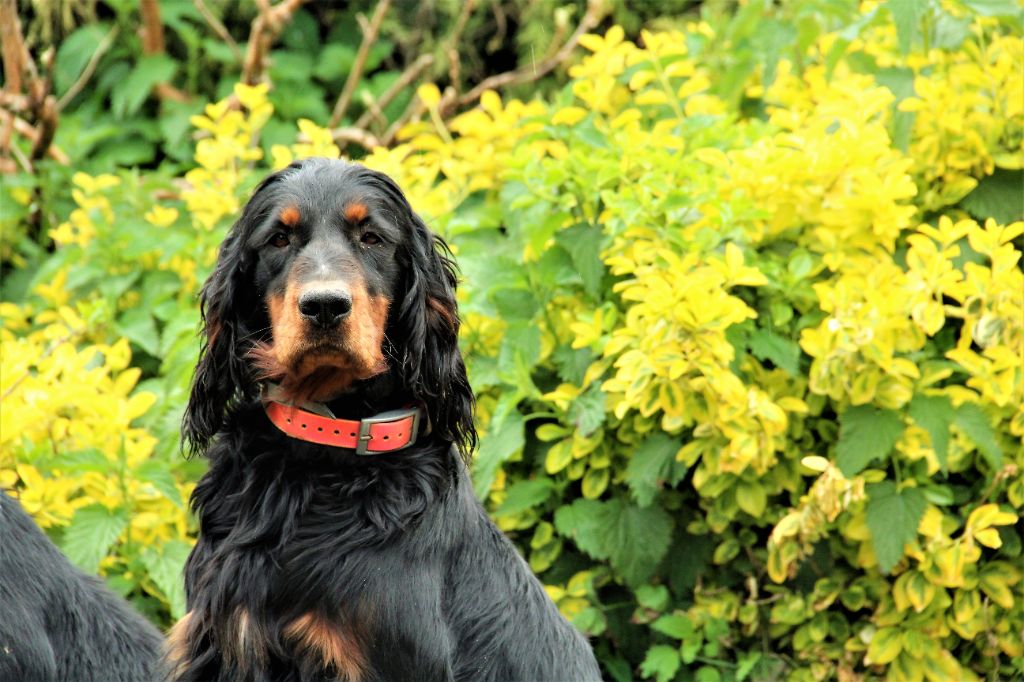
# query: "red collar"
[384,432]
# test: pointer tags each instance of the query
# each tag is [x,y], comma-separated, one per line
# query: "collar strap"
[384,432]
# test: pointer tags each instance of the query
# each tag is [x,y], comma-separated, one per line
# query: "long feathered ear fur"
[227,303]
[425,328]
[428,317]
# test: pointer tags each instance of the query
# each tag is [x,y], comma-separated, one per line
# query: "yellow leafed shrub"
[746,343]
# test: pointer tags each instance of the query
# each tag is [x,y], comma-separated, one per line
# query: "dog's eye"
[280,240]
[370,238]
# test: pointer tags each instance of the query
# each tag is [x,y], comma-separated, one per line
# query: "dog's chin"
[317,371]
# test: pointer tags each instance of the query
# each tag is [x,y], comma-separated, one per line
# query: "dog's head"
[329,281]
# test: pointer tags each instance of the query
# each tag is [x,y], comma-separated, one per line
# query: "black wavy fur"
[391,556]
[58,624]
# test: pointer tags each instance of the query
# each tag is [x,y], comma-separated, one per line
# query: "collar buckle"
[363,440]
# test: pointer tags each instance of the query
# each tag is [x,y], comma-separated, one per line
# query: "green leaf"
[906,14]
[994,8]
[165,568]
[654,597]
[137,326]
[74,53]
[997,196]
[674,625]
[633,540]
[503,439]
[129,94]
[708,674]
[865,433]
[650,466]
[93,531]
[934,414]
[587,411]
[893,516]
[585,521]
[583,242]
[523,495]
[159,475]
[747,663]
[973,421]
[782,352]
[661,662]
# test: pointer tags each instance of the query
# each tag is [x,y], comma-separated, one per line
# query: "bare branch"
[346,136]
[218,28]
[265,28]
[414,110]
[411,73]
[152,27]
[369,38]
[14,52]
[452,44]
[46,130]
[26,130]
[89,69]
[533,72]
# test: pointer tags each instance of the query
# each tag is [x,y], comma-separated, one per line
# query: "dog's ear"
[428,319]
[227,306]
[424,327]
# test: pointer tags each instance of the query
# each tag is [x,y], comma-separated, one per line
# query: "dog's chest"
[327,582]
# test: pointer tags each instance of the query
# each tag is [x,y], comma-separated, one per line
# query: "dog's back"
[58,623]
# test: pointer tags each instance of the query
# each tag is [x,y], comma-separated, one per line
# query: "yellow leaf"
[429,95]
[569,116]
[651,97]
[994,585]
[490,102]
[558,457]
[989,515]
[815,463]
[592,41]
[920,592]
[595,482]
[640,79]
[989,537]
[884,647]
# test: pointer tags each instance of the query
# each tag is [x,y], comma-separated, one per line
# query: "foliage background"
[743,308]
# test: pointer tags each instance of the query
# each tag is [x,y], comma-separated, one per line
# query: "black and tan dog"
[58,624]
[339,535]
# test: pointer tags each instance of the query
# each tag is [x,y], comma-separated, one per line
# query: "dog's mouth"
[317,369]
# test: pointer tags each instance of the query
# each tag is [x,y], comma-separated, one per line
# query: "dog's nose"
[325,309]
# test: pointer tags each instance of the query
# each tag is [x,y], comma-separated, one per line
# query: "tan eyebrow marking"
[355,212]
[290,216]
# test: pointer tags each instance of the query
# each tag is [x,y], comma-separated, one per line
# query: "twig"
[527,74]
[265,28]
[408,76]
[28,131]
[364,139]
[152,27]
[89,69]
[153,44]
[47,128]
[414,110]
[14,52]
[451,45]
[218,28]
[369,38]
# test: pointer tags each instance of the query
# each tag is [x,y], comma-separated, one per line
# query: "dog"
[58,624]
[339,535]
